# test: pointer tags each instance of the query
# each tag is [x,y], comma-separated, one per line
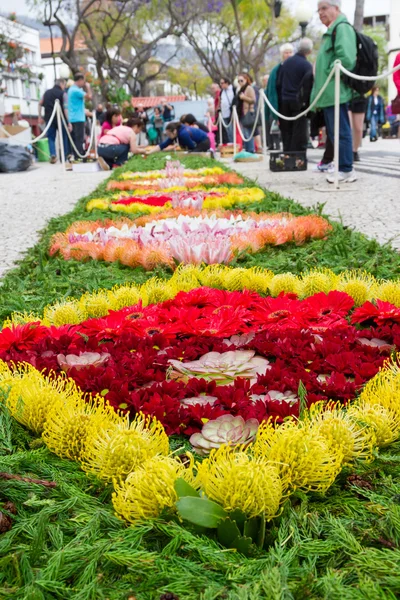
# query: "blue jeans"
[114,154]
[248,146]
[51,136]
[345,137]
[374,126]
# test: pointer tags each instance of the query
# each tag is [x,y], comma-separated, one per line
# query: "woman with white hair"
[273,91]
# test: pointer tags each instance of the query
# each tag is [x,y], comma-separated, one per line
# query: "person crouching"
[188,138]
[115,145]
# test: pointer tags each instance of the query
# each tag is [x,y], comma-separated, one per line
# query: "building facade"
[20,81]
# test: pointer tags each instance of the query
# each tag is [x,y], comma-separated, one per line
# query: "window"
[33,91]
[12,87]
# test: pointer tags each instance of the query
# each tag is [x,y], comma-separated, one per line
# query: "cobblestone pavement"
[29,199]
[371,205]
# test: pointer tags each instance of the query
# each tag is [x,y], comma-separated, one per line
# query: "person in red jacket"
[396,75]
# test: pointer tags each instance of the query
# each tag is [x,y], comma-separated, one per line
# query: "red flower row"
[127,356]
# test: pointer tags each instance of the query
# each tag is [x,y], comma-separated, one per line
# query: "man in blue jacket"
[188,138]
[296,83]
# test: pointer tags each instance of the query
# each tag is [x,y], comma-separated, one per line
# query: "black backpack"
[366,63]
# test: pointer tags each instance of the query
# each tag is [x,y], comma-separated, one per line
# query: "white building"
[22,92]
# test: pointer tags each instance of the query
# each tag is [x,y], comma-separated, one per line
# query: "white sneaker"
[103,164]
[343,177]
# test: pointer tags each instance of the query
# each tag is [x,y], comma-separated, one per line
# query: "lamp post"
[303,15]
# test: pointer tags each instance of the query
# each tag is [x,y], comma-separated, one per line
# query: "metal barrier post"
[263,128]
[234,130]
[337,123]
[60,135]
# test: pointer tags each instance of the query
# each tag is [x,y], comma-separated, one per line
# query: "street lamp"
[303,15]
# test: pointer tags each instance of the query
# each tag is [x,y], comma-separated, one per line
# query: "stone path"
[372,205]
[29,199]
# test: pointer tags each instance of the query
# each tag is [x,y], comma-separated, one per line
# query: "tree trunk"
[359,15]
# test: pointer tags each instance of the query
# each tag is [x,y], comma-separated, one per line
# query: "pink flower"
[82,361]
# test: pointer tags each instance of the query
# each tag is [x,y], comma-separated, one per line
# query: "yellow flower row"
[158,174]
[231,197]
[307,454]
[360,285]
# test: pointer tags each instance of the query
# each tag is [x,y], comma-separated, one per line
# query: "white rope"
[257,115]
[221,118]
[364,78]
[302,114]
[92,134]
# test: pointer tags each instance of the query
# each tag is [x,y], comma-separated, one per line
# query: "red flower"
[382,313]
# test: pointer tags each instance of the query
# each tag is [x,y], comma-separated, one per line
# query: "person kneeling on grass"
[188,138]
[115,145]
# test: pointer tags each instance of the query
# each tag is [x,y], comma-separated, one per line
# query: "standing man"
[227,95]
[296,83]
[167,111]
[339,42]
[273,93]
[47,102]
[77,94]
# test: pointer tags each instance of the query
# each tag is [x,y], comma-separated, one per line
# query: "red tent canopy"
[151,101]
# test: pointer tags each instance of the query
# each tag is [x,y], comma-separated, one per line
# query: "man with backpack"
[339,42]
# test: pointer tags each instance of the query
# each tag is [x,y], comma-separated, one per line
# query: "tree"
[230,36]
[359,15]
[121,36]
[193,80]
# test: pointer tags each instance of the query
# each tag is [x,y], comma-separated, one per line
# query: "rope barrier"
[92,134]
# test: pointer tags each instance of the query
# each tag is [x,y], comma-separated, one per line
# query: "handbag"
[249,119]
[396,105]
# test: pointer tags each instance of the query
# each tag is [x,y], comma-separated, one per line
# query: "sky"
[371,6]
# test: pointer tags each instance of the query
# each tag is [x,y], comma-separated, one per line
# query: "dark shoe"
[356,157]
[53,160]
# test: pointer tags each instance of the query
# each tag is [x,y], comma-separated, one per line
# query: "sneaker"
[356,157]
[103,164]
[324,167]
[53,160]
[343,177]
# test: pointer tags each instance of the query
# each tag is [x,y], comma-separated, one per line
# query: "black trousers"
[202,146]
[294,133]
[78,135]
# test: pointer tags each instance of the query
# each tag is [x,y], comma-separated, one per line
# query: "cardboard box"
[17,135]
[89,167]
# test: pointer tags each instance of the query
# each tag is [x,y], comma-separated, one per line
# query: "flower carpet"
[174,427]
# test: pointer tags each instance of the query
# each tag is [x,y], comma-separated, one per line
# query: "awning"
[151,101]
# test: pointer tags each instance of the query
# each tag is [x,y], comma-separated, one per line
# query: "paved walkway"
[372,205]
[29,199]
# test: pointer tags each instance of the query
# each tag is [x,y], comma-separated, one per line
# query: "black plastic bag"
[14,158]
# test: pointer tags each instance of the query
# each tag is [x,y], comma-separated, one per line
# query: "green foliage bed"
[64,542]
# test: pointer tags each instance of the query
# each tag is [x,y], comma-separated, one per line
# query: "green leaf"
[261,532]
[228,532]
[239,517]
[244,545]
[183,488]
[200,511]
[252,528]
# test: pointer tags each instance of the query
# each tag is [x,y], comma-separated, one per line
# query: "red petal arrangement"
[130,356]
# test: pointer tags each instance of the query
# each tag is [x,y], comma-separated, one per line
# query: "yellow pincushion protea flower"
[384,388]
[384,423]
[301,454]
[285,282]
[66,431]
[239,480]
[321,280]
[116,452]
[156,290]
[342,434]
[360,285]
[20,318]
[33,395]
[389,291]
[64,313]
[254,279]
[150,489]
[124,295]
[6,380]
[213,276]
[99,203]
[95,305]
